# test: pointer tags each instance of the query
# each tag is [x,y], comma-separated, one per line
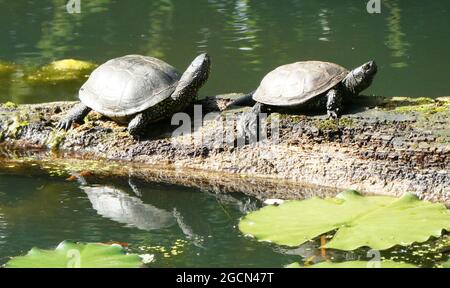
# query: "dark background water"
[409,39]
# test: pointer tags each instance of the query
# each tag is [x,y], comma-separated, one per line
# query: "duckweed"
[62,70]
[6,69]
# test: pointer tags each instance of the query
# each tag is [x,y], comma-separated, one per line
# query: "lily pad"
[355,264]
[378,222]
[76,255]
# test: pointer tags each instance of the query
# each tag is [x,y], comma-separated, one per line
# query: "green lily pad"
[378,222]
[355,264]
[77,255]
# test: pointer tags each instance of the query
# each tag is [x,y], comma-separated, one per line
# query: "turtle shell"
[128,85]
[296,83]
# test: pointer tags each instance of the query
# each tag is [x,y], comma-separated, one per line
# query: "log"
[382,145]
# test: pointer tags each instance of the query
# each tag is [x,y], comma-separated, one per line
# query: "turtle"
[138,90]
[307,84]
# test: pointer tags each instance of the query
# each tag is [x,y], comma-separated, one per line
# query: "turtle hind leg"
[75,115]
[335,99]
[138,124]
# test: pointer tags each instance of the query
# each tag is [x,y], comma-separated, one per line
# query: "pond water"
[409,39]
[38,209]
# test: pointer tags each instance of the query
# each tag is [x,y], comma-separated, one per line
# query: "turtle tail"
[246,100]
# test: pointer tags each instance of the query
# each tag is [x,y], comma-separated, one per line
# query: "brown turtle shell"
[128,85]
[296,83]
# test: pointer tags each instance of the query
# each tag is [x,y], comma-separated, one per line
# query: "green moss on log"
[422,105]
[10,105]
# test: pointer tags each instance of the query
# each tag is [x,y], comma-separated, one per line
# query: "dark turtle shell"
[128,85]
[296,83]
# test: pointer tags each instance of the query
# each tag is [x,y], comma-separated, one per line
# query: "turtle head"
[361,77]
[194,77]
[198,72]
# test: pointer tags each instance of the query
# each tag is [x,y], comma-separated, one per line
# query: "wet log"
[381,145]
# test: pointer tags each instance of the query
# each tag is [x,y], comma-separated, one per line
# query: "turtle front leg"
[75,115]
[334,103]
[248,124]
[137,125]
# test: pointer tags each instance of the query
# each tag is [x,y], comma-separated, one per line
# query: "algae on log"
[382,145]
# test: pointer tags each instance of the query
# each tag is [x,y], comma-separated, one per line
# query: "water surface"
[40,210]
[409,39]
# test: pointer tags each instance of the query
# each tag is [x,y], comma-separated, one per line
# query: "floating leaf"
[356,264]
[378,222]
[72,255]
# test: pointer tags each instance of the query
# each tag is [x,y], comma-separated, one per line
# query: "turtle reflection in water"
[119,206]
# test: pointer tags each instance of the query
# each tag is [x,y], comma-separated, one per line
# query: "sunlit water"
[409,39]
[40,210]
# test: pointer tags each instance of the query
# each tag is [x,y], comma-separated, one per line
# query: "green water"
[40,210]
[37,209]
[409,39]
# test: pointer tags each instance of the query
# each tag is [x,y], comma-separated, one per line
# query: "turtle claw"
[75,115]
[333,114]
[135,136]
[64,125]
